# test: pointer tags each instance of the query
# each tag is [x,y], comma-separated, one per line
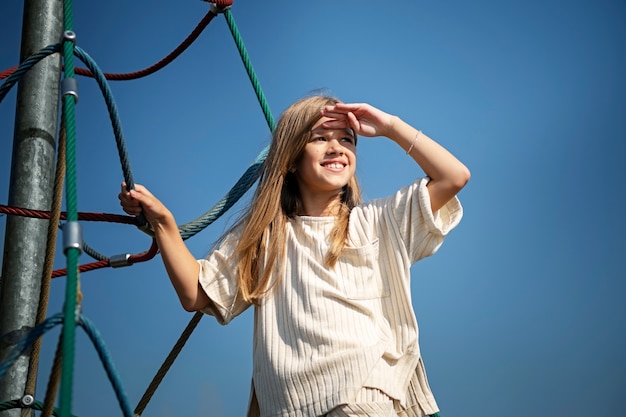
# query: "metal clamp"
[118,261]
[72,236]
[216,9]
[70,36]
[69,86]
[27,400]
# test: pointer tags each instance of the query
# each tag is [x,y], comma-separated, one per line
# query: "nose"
[334,147]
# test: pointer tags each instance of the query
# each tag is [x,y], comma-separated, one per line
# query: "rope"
[132,259]
[151,69]
[28,340]
[109,367]
[85,216]
[44,293]
[113,113]
[69,317]
[162,63]
[54,381]
[98,343]
[71,284]
[236,192]
[37,405]
[165,367]
[252,173]
[248,64]
[25,66]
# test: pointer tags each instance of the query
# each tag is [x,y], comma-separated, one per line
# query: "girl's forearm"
[448,175]
[181,266]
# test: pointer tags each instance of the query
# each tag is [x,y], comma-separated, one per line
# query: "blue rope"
[239,189]
[13,404]
[98,75]
[28,341]
[95,338]
[25,66]
[109,366]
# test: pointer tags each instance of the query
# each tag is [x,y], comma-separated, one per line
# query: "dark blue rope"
[109,366]
[37,405]
[98,75]
[98,343]
[25,66]
[28,341]
[187,230]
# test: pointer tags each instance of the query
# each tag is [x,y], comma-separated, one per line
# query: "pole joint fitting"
[72,236]
[69,86]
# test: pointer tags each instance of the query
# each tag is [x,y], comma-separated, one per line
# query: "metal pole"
[32,180]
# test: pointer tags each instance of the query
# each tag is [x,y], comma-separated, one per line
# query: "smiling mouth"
[334,165]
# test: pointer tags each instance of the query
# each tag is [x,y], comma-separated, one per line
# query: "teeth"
[335,166]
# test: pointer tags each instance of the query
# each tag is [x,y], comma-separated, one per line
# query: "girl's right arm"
[180,264]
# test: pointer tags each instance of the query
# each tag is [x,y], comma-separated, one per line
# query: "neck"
[321,206]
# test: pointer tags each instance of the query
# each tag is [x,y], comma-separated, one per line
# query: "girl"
[328,276]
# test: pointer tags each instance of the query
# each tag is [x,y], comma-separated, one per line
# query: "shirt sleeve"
[218,278]
[421,230]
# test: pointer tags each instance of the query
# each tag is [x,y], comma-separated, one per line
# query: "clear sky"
[522,311]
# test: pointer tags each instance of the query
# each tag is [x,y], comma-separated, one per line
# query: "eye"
[348,139]
[318,139]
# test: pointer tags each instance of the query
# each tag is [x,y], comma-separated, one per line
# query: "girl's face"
[328,161]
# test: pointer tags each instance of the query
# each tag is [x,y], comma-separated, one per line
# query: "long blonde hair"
[260,248]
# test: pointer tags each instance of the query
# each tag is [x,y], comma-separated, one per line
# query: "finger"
[335,111]
[350,107]
[354,123]
[336,124]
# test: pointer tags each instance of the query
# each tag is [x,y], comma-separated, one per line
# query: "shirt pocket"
[359,275]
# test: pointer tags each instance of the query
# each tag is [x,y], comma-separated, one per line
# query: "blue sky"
[521,311]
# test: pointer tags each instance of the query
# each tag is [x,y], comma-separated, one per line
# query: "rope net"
[61,375]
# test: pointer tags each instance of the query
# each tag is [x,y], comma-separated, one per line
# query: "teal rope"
[244,183]
[248,64]
[252,173]
[72,254]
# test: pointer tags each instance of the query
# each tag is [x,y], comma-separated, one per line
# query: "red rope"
[4,74]
[162,63]
[93,217]
[114,218]
[133,259]
[147,255]
[82,268]
[159,65]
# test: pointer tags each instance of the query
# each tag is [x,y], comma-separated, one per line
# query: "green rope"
[248,64]
[72,254]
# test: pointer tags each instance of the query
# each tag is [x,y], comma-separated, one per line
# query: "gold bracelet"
[414,140]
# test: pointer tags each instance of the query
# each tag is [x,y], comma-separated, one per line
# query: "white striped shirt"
[322,334]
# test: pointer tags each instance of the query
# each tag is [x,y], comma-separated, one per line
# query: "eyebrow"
[346,130]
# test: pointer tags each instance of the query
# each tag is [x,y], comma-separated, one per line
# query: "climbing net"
[61,379]
[68,319]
